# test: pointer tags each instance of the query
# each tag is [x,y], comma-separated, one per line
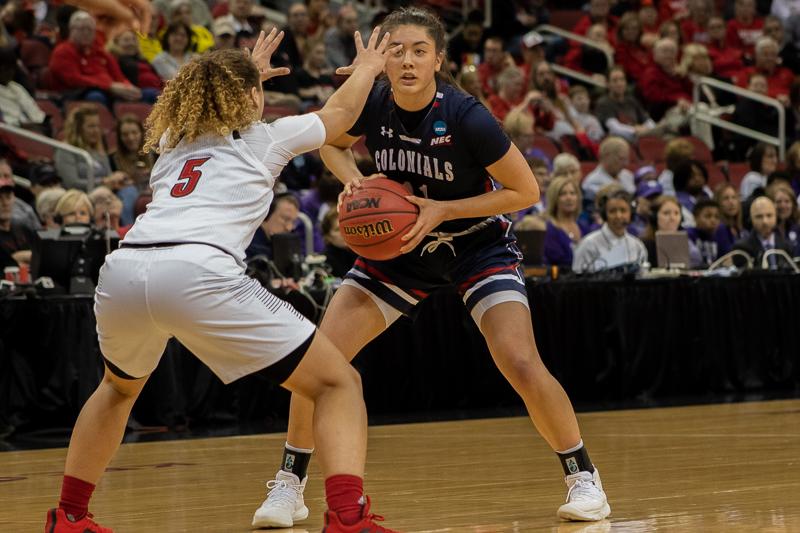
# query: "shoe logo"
[387,132]
[572,465]
[289,462]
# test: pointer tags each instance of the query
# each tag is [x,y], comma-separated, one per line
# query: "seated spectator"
[648,17]
[82,70]
[337,254]
[246,22]
[495,61]
[694,28]
[763,237]
[690,178]
[128,157]
[665,215]
[611,245]
[779,79]
[754,115]
[301,172]
[745,28]
[568,166]
[22,214]
[198,11]
[295,37]
[785,11]
[553,111]
[339,44]
[788,221]
[599,13]
[629,52]
[788,50]
[727,60]
[614,157]
[315,79]
[17,106]
[704,233]
[182,11]
[510,92]
[107,210]
[763,159]
[646,191]
[281,218]
[620,113]
[469,80]
[74,207]
[581,103]
[320,19]
[731,227]
[563,231]
[82,129]
[224,34]
[520,123]
[321,198]
[43,176]
[466,46]
[532,49]
[662,85]
[541,172]
[676,152]
[125,47]
[670,29]
[150,43]
[177,50]
[46,207]
[15,240]
[793,166]
[590,59]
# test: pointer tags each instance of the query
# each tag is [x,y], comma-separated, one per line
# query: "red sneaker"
[365,525]
[57,522]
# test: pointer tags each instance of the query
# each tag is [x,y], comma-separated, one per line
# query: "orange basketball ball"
[375,217]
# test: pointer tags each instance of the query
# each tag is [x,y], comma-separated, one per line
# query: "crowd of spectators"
[617,152]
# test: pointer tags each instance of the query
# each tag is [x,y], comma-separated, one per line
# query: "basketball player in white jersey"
[179,273]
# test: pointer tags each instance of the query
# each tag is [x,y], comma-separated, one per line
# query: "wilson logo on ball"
[363,203]
[374,229]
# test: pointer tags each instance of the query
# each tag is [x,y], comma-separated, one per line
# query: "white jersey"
[217,190]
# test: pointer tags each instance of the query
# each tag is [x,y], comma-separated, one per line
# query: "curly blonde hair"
[209,95]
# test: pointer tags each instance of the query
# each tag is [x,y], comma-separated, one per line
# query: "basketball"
[375,217]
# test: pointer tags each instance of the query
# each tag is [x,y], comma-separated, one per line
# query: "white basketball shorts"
[201,296]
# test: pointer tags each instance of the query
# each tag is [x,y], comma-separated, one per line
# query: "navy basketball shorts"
[201,296]
[484,266]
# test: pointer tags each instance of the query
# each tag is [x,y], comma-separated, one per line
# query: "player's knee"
[522,370]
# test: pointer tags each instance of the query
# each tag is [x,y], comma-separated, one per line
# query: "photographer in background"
[281,218]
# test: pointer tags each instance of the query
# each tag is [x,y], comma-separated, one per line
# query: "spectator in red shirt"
[495,60]
[599,13]
[532,49]
[745,28]
[648,17]
[590,59]
[661,85]
[789,51]
[125,47]
[779,79]
[629,51]
[695,27]
[673,9]
[510,91]
[84,71]
[670,29]
[727,60]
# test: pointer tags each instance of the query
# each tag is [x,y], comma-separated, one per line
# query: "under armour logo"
[387,133]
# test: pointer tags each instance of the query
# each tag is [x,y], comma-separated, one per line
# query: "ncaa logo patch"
[572,465]
[439,127]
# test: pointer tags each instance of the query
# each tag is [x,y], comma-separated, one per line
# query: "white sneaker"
[585,498]
[284,504]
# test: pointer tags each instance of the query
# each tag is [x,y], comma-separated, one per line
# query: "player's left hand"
[431,214]
[115,16]
[262,52]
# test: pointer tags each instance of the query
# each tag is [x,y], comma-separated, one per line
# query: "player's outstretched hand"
[116,16]
[431,214]
[374,56]
[356,183]
[262,52]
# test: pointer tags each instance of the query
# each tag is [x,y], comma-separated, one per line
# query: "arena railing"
[52,143]
[580,76]
[778,141]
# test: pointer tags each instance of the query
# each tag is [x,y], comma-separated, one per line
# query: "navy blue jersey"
[446,156]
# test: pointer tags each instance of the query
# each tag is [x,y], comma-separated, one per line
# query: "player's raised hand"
[431,214]
[374,56]
[116,16]
[262,53]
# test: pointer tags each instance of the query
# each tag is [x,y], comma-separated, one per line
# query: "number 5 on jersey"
[190,175]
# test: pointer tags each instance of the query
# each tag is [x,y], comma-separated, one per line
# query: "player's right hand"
[374,56]
[354,184]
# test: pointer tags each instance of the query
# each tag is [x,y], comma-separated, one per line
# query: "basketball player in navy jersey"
[423,131]
[179,273]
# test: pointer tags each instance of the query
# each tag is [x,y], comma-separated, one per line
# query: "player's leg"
[509,334]
[284,504]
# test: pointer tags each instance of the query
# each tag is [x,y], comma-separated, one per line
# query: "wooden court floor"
[731,467]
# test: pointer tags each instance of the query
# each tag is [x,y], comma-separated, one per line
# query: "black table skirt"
[604,341]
